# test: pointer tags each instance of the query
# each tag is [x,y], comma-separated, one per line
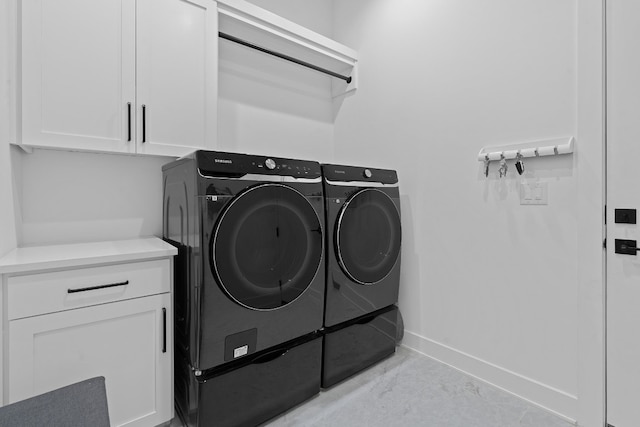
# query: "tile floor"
[409,389]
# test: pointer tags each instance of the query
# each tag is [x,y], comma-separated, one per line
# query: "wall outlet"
[534,194]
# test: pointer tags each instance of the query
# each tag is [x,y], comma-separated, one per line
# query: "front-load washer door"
[267,247]
[367,236]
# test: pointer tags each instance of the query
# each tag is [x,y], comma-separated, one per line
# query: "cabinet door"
[177,42]
[78,74]
[122,341]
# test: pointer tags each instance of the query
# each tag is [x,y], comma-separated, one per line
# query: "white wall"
[488,285]
[80,197]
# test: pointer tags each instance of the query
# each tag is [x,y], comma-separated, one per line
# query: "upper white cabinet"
[131,76]
[177,82]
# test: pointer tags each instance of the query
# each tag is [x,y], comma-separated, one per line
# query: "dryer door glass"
[267,247]
[368,236]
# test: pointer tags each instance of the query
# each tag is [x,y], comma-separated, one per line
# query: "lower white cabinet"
[126,342]
[65,324]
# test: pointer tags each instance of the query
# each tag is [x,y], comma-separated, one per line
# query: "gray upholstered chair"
[77,405]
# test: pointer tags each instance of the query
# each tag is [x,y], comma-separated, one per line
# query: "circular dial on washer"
[267,247]
[368,236]
[270,164]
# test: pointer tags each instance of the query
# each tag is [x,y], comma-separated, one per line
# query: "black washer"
[267,247]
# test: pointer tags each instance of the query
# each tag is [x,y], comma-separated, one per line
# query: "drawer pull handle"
[93,288]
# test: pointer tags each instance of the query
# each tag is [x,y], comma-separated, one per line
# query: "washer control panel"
[345,173]
[216,163]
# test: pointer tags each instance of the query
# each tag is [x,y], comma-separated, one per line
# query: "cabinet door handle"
[144,123]
[164,330]
[128,121]
[93,288]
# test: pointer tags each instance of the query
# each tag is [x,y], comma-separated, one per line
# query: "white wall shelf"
[258,26]
[548,147]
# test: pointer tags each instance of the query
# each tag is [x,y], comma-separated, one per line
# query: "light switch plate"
[534,193]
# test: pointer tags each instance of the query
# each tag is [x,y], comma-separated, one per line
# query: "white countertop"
[36,258]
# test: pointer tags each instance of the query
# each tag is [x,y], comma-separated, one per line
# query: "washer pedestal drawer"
[350,347]
[251,390]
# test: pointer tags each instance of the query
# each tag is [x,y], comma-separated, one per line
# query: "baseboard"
[542,395]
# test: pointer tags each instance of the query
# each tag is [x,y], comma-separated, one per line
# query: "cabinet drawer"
[35,294]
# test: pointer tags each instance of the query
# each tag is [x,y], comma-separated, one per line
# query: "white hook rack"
[549,147]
